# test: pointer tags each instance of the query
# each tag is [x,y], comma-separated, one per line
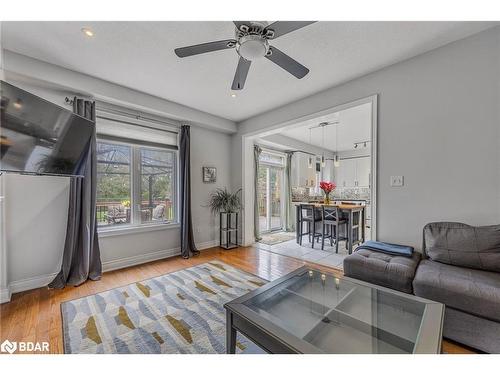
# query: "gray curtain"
[256,153]
[289,222]
[187,239]
[82,257]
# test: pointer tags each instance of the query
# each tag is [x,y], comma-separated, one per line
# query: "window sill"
[111,232]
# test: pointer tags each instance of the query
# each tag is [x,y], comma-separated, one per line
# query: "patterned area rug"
[275,238]
[181,312]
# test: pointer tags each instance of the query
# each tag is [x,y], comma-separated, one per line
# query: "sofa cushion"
[474,291]
[463,245]
[387,270]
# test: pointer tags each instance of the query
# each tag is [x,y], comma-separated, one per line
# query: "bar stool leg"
[300,227]
[323,236]
[313,232]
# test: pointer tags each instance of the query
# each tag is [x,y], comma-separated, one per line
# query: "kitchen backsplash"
[302,194]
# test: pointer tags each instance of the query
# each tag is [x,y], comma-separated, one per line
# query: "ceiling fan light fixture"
[252,47]
[251,41]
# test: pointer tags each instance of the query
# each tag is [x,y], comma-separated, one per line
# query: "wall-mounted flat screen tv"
[39,137]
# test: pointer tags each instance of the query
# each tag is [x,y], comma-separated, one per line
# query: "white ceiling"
[140,55]
[354,125]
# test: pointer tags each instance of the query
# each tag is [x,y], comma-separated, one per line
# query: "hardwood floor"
[35,315]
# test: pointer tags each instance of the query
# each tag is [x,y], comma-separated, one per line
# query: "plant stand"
[228,225]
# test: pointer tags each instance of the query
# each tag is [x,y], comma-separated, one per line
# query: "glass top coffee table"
[310,311]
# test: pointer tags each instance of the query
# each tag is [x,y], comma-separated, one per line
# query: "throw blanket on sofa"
[387,248]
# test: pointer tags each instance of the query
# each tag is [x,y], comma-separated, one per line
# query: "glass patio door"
[270,187]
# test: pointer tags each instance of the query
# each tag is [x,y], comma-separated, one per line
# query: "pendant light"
[336,161]
[323,162]
[310,164]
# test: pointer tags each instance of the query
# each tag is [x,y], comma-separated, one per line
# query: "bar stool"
[307,214]
[330,218]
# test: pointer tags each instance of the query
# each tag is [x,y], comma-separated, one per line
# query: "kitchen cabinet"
[302,175]
[348,167]
[301,171]
[353,172]
[363,168]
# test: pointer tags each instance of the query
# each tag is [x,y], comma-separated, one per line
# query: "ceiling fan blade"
[281,28]
[241,74]
[286,62]
[205,47]
[239,23]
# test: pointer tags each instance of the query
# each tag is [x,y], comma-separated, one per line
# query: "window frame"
[135,225]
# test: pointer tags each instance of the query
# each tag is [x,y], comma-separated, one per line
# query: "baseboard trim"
[135,260]
[43,280]
[207,245]
[31,283]
[5,295]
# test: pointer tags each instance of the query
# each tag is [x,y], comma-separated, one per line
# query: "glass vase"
[327,198]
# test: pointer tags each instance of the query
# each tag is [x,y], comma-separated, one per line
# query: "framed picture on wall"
[209,174]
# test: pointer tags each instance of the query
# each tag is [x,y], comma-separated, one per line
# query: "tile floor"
[326,257]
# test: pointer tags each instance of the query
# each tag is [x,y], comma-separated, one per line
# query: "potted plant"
[327,188]
[221,200]
[228,205]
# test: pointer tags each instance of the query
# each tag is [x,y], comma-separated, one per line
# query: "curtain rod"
[137,116]
[350,157]
[304,152]
[310,153]
[264,147]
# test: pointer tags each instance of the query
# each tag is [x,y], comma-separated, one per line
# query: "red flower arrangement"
[327,186]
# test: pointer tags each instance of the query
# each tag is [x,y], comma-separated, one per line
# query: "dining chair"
[308,214]
[331,219]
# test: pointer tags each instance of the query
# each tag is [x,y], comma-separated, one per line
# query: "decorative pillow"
[463,245]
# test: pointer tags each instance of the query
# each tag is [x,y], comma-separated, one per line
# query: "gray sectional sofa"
[460,268]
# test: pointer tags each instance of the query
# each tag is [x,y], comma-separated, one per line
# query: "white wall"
[438,125]
[35,210]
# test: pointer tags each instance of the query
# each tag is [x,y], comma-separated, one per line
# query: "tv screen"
[39,137]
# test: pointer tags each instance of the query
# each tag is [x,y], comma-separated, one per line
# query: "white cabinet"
[348,172]
[353,172]
[301,171]
[363,168]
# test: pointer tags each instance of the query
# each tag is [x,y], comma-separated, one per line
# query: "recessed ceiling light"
[88,32]
[18,104]
[233,95]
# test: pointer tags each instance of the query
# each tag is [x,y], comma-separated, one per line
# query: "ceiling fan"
[251,43]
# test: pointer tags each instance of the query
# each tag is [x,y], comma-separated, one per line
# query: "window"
[272,158]
[136,184]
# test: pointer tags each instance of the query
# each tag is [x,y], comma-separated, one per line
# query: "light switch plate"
[397,181]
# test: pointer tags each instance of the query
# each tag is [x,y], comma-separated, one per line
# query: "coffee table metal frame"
[275,339]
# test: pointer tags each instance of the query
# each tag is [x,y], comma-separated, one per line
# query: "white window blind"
[137,130]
